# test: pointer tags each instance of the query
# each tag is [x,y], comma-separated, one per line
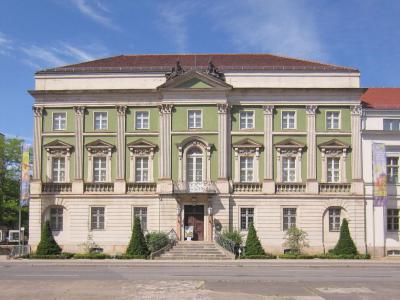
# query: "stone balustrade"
[247,187]
[194,187]
[141,187]
[335,188]
[290,187]
[99,187]
[56,187]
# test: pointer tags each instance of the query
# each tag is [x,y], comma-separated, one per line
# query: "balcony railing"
[194,187]
[141,187]
[335,188]
[290,187]
[56,187]
[247,187]
[99,187]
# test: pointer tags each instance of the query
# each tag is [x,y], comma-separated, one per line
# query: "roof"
[224,62]
[381,98]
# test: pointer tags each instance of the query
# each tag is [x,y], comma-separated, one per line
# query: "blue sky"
[38,34]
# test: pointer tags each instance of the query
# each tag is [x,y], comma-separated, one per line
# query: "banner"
[24,199]
[379,174]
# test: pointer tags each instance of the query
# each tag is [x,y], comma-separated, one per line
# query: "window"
[289,169]
[246,120]
[391,124]
[334,219]
[100,120]
[332,120]
[393,219]
[59,121]
[56,218]
[97,218]
[246,217]
[141,213]
[99,169]
[194,118]
[142,169]
[333,169]
[288,120]
[289,218]
[246,169]
[194,165]
[142,120]
[58,169]
[392,169]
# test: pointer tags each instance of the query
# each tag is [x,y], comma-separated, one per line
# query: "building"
[213,141]
[381,125]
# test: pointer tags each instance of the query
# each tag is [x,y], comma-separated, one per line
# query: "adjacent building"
[212,141]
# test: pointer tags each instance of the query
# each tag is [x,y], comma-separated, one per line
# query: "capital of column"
[79,110]
[223,108]
[165,108]
[268,109]
[311,109]
[121,110]
[37,111]
[356,110]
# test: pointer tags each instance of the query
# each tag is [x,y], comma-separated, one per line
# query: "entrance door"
[194,216]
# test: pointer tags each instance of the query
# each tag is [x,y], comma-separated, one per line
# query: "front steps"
[195,251]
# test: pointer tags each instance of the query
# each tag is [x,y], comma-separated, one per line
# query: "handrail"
[171,242]
[226,243]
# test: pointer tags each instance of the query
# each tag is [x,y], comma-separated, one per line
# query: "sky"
[47,33]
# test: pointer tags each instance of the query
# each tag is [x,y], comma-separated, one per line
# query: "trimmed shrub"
[253,245]
[233,235]
[137,245]
[267,256]
[345,245]
[157,241]
[47,244]
[91,256]
[63,255]
[296,240]
[343,256]
[126,256]
[297,256]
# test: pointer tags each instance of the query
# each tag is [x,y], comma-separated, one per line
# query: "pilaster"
[312,184]
[37,140]
[223,147]
[120,183]
[77,184]
[165,183]
[357,183]
[269,183]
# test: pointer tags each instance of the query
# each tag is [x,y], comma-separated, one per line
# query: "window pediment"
[289,146]
[99,147]
[333,147]
[247,147]
[58,147]
[194,141]
[142,147]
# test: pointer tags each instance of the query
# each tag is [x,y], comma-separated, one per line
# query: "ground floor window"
[334,219]
[246,217]
[97,218]
[289,218]
[393,219]
[141,213]
[56,218]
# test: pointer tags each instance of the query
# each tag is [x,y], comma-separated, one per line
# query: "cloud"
[96,12]
[6,44]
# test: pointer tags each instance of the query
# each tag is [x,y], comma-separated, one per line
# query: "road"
[297,280]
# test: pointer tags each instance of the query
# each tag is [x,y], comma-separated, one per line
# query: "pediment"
[289,143]
[333,144]
[141,143]
[247,143]
[194,140]
[57,144]
[195,80]
[99,144]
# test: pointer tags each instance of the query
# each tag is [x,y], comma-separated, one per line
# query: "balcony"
[290,187]
[247,187]
[333,188]
[141,187]
[98,187]
[206,187]
[56,187]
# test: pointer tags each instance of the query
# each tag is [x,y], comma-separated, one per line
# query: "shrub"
[233,235]
[63,255]
[296,256]
[253,245]
[157,241]
[266,256]
[47,244]
[343,256]
[91,256]
[137,245]
[345,245]
[296,240]
[126,256]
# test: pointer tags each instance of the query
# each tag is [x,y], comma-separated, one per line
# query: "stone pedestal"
[357,187]
[120,186]
[312,187]
[269,186]
[165,186]
[36,187]
[223,186]
[77,187]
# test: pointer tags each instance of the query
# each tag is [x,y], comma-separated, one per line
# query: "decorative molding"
[165,108]
[268,109]
[37,111]
[79,110]
[121,110]
[223,108]
[356,110]
[311,109]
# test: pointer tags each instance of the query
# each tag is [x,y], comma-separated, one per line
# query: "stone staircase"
[195,251]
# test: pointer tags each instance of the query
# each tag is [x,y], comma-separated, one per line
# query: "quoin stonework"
[213,141]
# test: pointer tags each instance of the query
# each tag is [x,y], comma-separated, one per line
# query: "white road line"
[354,290]
[48,275]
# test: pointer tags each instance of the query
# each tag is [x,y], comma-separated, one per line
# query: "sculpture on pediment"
[213,71]
[176,71]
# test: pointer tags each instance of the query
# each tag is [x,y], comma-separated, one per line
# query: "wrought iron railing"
[194,187]
[141,187]
[56,187]
[249,187]
[99,187]
[226,243]
[290,187]
[335,187]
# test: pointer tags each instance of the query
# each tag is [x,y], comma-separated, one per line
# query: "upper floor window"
[246,120]
[393,217]
[100,120]
[97,218]
[391,124]
[194,164]
[58,169]
[142,120]
[289,218]
[56,218]
[246,169]
[334,218]
[246,217]
[333,169]
[59,121]
[333,120]
[142,169]
[194,119]
[288,120]
[392,169]
[99,169]
[288,169]
[141,213]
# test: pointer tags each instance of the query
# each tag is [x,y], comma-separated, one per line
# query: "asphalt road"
[314,280]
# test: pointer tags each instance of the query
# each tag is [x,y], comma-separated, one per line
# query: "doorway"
[194,216]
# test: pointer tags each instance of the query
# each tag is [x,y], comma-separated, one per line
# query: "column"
[165,182]
[223,147]
[312,184]
[77,185]
[357,185]
[120,183]
[269,183]
[36,187]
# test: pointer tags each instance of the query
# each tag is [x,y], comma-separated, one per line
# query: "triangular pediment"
[141,143]
[333,144]
[99,144]
[57,144]
[247,143]
[289,143]
[195,80]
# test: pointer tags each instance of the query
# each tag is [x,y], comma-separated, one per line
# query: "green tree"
[47,244]
[253,244]
[345,245]
[137,245]
[296,240]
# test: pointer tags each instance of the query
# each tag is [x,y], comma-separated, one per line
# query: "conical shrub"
[345,245]
[47,244]
[137,246]
[253,244]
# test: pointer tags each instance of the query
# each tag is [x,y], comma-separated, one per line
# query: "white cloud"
[6,44]
[41,55]
[96,12]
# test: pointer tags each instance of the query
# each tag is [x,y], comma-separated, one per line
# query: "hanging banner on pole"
[24,199]
[379,174]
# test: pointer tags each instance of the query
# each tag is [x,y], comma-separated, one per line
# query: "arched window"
[194,165]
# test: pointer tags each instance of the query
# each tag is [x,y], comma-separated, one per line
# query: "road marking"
[48,275]
[354,290]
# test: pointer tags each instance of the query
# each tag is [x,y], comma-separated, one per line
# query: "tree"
[296,240]
[345,245]
[47,245]
[253,244]
[137,245]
